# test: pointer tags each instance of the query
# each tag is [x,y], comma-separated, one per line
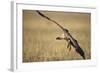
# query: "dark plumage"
[78,49]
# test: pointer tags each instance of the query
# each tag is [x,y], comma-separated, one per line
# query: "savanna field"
[39,36]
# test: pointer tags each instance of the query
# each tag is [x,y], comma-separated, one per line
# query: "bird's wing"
[81,52]
[46,17]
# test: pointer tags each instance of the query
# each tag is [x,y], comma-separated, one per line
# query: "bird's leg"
[69,45]
[69,48]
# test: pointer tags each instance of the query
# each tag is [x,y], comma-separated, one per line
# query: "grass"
[39,36]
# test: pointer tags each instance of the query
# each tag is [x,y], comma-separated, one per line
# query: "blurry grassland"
[39,36]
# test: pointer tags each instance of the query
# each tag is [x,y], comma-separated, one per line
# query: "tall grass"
[39,36]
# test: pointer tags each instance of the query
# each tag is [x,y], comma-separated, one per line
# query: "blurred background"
[39,35]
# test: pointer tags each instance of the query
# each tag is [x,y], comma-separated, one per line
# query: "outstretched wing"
[41,14]
[78,49]
[81,52]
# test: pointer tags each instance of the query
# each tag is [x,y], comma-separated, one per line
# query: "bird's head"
[66,30]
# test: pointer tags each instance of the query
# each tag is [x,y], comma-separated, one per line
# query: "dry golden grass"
[39,36]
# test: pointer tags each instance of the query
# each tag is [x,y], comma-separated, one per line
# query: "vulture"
[72,42]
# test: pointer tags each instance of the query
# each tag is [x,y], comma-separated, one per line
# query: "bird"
[72,42]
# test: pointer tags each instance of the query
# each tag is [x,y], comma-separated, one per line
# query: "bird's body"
[72,42]
[67,36]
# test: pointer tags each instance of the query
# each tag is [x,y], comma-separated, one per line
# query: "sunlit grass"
[39,37]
